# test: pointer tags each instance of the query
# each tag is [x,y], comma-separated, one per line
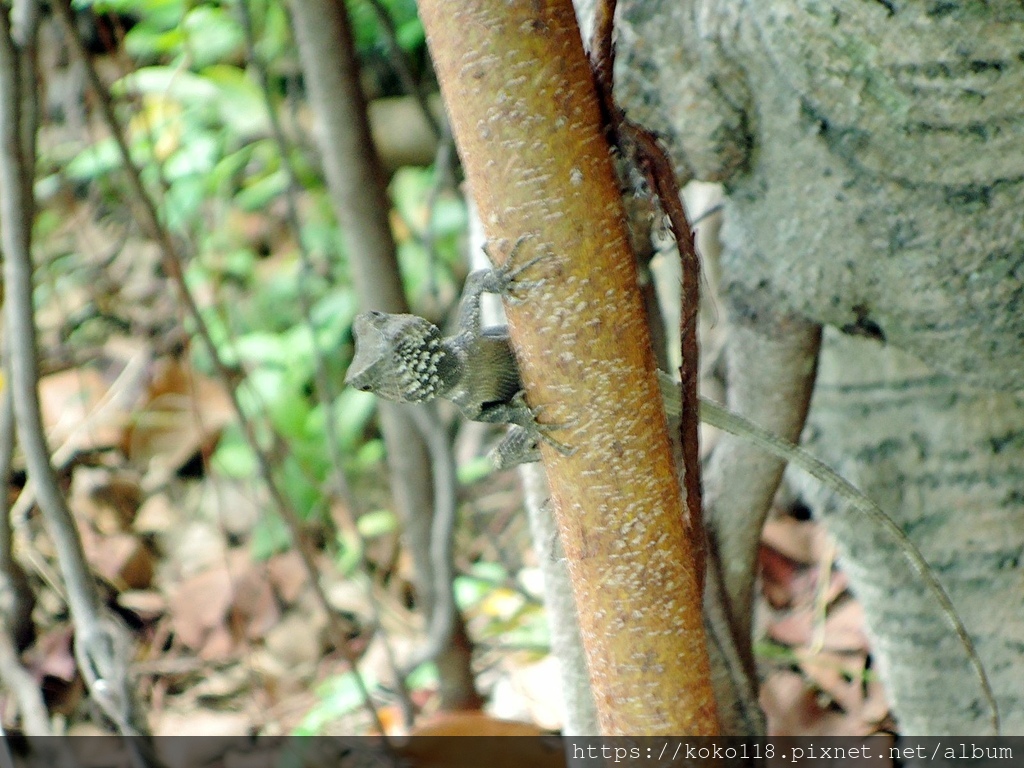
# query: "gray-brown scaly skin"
[406,359]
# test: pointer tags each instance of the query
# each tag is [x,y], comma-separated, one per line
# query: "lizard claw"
[544,429]
[506,278]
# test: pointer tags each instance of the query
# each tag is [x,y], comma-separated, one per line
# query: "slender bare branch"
[100,640]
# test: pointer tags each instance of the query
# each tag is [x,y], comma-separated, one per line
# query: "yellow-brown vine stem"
[526,119]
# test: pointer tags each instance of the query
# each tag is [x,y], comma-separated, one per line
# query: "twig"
[17,598]
[355,180]
[441,623]
[401,64]
[718,416]
[114,402]
[98,638]
[13,611]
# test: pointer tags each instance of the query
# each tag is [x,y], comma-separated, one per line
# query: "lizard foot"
[522,443]
[505,280]
[542,429]
[518,446]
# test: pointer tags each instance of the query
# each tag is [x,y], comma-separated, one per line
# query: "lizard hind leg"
[522,443]
[517,447]
[543,429]
[522,446]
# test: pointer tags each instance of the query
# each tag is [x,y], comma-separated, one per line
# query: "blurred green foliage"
[197,126]
[196,123]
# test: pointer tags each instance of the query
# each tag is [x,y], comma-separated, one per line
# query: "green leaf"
[290,414]
[377,523]
[240,103]
[493,573]
[261,192]
[227,170]
[233,457]
[410,188]
[260,348]
[349,553]
[213,34]
[469,591]
[183,202]
[269,537]
[370,454]
[411,35]
[337,308]
[173,82]
[261,386]
[475,471]
[148,41]
[351,413]
[197,155]
[98,160]
[423,677]
[337,697]
[296,482]
[449,216]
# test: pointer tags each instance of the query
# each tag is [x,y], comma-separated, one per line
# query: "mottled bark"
[873,155]
[947,461]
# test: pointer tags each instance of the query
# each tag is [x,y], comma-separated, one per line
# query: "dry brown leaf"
[183,414]
[293,645]
[783,580]
[218,646]
[805,625]
[254,609]
[839,676]
[156,515]
[793,629]
[795,539]
[117,497]
[147,604]
[66,399]
[453,753]
[123,559]
[52,654]
[287,575]
[793,708]
[200,605]
[876,703]
[844,627]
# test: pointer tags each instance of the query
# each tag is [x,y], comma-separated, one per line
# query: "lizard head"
[398,357]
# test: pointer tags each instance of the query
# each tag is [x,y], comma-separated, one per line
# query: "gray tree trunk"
[873,156]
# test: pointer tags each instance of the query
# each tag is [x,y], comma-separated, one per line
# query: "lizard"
[407,359]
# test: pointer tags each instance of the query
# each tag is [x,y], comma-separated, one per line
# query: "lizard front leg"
[504,280]
[493,391]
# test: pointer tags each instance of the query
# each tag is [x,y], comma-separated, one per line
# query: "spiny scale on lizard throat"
[418,365]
